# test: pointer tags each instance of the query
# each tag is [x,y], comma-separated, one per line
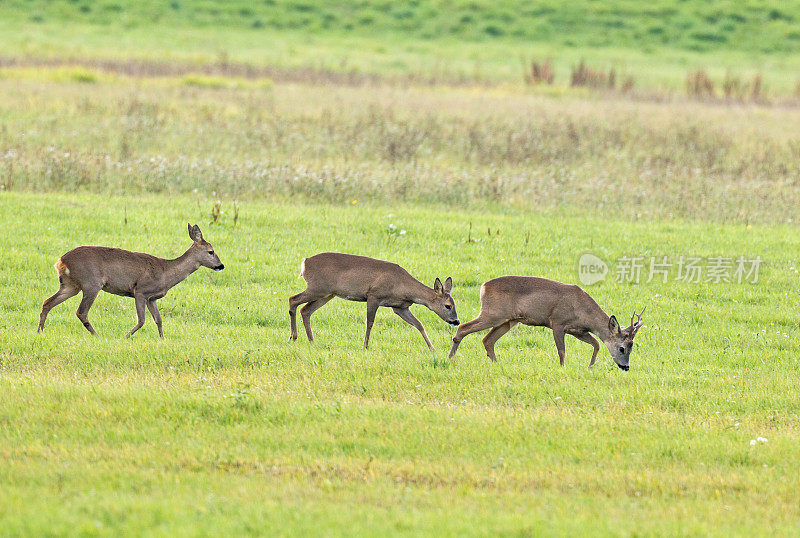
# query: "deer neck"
[426,296]
[421,294]
[599,325]
[179,268]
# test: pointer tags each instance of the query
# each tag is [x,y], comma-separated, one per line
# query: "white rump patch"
[61,268]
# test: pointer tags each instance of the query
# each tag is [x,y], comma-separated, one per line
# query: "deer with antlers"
[539,302]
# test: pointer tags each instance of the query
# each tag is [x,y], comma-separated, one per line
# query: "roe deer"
[376,282]
[539,302]
[122,272]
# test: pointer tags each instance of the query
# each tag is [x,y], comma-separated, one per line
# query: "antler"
[635,326]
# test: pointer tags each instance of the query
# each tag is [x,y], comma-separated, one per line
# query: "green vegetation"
[429,39]
[226,427]
[403,132]
[752,26]
[455,146]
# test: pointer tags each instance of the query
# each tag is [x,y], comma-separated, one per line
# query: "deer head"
[443,304]
[620,342]
[202,250]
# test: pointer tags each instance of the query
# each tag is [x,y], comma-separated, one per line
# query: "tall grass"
[540,72]
[392,144]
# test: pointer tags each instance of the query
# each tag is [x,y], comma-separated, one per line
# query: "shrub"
[493,30]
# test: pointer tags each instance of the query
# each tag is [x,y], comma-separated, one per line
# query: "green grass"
[226,427]
[753,25]
[657,45]
[473,148]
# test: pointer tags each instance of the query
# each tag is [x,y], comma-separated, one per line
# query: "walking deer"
[539,302]
[376,282]
[131,274]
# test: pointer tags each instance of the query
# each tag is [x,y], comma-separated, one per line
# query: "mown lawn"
[227,427]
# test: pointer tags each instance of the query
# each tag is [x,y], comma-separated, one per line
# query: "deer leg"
[477,324]
[140,304]
[153,308]
[294,301]
[83,308]
[372,309]
[589,339]
[407,316]
[558,336]
[64,292]
[310,308]
[494,335]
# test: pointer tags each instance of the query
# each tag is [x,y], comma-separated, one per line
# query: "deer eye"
[622,350]
[447,306]
[211,252]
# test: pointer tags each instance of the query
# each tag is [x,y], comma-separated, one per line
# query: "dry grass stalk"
[732,87]
[540,73]
[757,89]
[699,85]
[585,76]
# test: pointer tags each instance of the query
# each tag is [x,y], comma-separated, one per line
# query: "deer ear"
[195,234]
[613,326]
[437,286]
[448,285]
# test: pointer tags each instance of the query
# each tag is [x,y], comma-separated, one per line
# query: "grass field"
[465,147]
[631,24]
[426,39]
[402,133]
[225,426]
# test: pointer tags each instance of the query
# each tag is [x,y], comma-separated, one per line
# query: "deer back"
[349,275]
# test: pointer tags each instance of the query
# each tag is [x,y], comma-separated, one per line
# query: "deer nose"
[220,267]
[624,367]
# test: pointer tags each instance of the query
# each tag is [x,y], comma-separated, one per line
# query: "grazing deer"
[122,272]
[376,282]
[539,302]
